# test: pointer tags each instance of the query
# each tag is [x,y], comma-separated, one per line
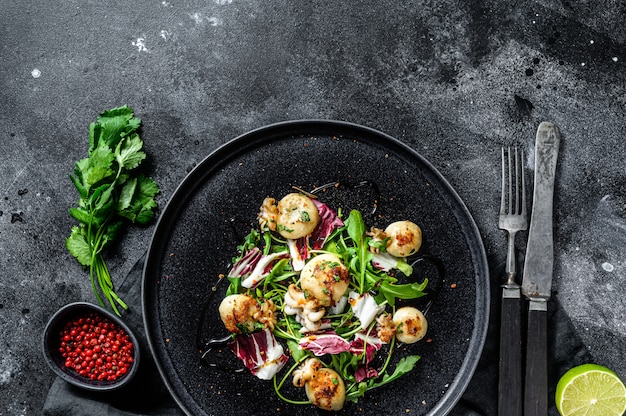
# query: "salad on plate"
[315,299]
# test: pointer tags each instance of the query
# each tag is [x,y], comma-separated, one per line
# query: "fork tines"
[513,184]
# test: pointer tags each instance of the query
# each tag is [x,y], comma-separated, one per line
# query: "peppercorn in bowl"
[90,347]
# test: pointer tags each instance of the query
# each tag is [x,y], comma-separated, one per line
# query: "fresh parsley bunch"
[111,194]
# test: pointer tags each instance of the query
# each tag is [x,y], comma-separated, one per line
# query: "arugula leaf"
[356,230]
[297,353]
[355,226]
[405,365]
[110,194]
[405,291]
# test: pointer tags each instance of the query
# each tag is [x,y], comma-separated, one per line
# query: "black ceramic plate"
[216,205]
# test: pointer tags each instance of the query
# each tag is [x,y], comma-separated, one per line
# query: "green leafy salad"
[327,288]
[111,194]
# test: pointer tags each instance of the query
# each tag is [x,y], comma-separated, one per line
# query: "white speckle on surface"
[165,34]
[591,42]
[582,64]
[35,73]
[140,45]
[608,267]
[8,366]
[197,17]
[223,2]
[614,59]
[214,21]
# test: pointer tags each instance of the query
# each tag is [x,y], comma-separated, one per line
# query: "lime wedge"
[590,390]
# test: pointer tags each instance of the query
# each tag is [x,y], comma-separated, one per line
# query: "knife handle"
[536,387]
[510,377]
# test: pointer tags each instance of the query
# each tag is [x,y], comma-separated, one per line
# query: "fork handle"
[536,387]
[510,365]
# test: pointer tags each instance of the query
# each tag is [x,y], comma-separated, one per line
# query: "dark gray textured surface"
[470,76]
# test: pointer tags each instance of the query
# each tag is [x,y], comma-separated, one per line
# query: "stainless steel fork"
[512,218]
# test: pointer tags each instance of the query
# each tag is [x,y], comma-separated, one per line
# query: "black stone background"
[471,76]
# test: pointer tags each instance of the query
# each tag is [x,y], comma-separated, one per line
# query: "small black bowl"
[52,343]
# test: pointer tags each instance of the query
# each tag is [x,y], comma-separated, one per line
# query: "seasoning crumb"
[167,340]
[453,285]
[407,410]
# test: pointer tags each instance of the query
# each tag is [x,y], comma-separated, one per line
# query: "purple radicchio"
[262,265]
[367,344]
[246,264]
[364,372]
[260,353]
[299,252]
[328,222]
[326,343]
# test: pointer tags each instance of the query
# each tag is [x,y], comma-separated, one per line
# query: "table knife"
[538,265]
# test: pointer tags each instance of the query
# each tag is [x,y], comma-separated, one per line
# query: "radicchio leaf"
[365,343]
[365,308]
[246,264]
[299,252]
[260,353]
[326,343]
[262,269]
[328,222]
[365,372]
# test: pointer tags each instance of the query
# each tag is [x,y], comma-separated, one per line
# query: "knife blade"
[538,268]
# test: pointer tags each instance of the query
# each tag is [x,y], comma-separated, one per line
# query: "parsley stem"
[104,279]
[93,284]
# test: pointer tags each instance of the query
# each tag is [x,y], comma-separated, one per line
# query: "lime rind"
[590,390]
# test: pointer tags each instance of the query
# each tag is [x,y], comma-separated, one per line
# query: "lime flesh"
[590,390]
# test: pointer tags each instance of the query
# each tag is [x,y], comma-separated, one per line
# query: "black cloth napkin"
[147,395]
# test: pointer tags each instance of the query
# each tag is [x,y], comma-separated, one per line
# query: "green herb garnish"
[110,195]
